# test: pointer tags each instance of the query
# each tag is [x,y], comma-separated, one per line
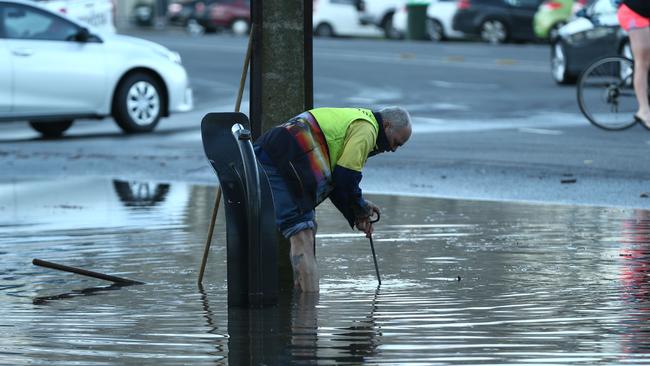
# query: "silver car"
[54,70]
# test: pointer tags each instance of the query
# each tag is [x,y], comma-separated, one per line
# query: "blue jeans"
[288,218]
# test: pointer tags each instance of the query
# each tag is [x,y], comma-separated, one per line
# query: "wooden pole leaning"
[215,210]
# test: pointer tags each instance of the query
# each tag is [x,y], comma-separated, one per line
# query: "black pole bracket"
[252,262]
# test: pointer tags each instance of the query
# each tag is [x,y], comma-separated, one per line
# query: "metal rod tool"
[372,247]
[83,272]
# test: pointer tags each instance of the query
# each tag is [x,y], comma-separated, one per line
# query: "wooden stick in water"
[83,272]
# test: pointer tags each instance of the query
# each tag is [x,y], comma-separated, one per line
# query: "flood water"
[464,282]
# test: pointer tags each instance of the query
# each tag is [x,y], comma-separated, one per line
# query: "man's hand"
[365,225]
[374,209]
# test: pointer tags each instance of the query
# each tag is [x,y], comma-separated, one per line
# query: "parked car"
[440,15]
[99,14]
[215,15]
[552,15]
[438,23]
[59,70]
[497,21]
[380,13]
[594,33]
[400,21]
[332,18]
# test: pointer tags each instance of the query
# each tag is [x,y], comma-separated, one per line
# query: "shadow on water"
[463,282]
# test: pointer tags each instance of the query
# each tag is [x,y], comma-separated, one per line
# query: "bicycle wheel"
[606,93]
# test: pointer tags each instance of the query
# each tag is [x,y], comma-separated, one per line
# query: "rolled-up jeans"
[288,217]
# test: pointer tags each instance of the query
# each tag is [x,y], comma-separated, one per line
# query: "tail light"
[464,4]
[583,2]
[551,5]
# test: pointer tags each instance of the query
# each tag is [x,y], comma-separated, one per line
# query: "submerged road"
[489,124]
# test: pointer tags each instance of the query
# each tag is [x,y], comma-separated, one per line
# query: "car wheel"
[138,103]
[559,65]
[194,28]
[494,31]
[51,129]
[324,30]
[140,194]
[239,27]
[434,30]
[389,30]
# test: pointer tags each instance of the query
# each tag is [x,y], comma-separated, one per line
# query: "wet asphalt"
[489,124]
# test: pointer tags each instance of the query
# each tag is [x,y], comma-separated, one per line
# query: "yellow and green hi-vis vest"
[334,123]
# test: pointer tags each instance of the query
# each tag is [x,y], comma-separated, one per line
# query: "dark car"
[497,21]
[593,34]
[232,15]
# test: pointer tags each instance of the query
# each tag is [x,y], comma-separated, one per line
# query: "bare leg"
[303,260]
[640,42]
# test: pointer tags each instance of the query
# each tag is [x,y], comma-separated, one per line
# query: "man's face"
[396,136]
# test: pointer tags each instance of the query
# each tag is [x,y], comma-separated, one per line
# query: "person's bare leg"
[640,42]
[303,260]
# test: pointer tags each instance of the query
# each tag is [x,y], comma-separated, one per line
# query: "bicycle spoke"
[606,95]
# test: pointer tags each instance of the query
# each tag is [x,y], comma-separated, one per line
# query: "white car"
[440,14]
[54,70]
[380,13]
[96,13]
[341,18]
[400,20]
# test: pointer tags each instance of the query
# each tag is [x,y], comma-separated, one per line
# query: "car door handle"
[24,52]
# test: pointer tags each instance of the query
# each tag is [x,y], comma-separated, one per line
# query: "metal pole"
[215,210]
[374,257]
[83,272]
[372,247]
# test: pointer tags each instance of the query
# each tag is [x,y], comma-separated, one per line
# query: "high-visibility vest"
[334,123]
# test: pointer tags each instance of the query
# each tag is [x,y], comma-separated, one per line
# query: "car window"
[22,22]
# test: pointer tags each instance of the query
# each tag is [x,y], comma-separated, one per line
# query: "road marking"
[527,125]
[457,85]
[540,131]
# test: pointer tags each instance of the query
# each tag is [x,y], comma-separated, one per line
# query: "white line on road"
[540,131]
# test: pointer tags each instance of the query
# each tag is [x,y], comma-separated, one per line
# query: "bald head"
[397,124]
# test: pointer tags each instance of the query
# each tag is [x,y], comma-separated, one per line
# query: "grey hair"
[397,116]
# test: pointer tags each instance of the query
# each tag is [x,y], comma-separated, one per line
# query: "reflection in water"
[635,278]
[539,284]
[140,194]
[90,291]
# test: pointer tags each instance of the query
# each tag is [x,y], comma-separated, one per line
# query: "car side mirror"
[83,35]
